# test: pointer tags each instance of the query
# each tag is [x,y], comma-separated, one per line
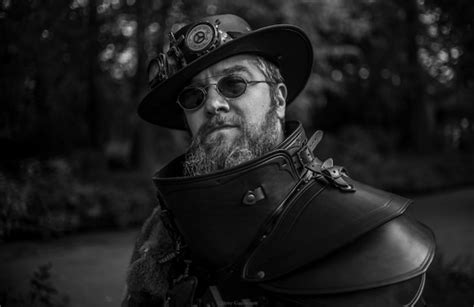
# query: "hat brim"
[286,45]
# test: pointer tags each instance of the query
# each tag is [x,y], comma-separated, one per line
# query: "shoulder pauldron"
[295,225]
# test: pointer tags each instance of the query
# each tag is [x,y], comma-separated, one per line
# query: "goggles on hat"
[231,86]
[199,39]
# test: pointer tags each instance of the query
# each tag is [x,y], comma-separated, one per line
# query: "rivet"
[260,274]
[251,197]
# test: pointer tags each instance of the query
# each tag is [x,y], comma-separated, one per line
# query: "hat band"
[200,39]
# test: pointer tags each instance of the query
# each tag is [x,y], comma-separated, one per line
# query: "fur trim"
[146,277]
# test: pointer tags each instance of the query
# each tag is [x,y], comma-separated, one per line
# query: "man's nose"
[215,102]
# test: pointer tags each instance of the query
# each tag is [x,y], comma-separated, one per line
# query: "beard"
[208,154]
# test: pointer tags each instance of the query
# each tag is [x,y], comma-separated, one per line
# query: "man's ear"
[280,96]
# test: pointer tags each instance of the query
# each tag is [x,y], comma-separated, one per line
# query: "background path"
[90,268]
[451,217]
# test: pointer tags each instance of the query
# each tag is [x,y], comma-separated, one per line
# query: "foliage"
[42,292]
[369,157]
[47,200]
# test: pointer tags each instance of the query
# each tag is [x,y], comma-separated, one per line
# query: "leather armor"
[288,229]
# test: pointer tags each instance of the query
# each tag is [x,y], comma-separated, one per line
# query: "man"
[249,216]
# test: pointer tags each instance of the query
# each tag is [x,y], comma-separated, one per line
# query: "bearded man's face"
[229,131]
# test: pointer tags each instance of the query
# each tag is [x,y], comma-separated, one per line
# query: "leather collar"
[293,143]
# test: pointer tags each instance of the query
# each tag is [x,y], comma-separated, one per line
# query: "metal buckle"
[305,156]
[335,174]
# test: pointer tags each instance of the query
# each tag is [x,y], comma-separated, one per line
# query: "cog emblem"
[200,37]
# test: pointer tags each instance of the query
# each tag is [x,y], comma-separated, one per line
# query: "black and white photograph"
[214,153]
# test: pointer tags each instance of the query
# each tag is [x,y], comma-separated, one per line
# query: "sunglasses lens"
[191,98]
[232,86]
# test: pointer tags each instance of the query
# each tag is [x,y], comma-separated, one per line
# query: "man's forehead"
[245,64]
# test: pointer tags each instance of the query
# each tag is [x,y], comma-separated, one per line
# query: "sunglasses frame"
[203,90]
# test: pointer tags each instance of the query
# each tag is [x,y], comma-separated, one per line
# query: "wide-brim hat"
[194,47]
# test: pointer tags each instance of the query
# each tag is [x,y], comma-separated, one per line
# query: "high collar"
[225,210]
[295,139]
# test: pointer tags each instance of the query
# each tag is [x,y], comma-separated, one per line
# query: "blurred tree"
[41,80]
[447,53]
[151,30]
[93,113]
[336,30]
[73,71]
[410,113]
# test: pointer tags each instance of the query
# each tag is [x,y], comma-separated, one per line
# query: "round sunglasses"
[231,86]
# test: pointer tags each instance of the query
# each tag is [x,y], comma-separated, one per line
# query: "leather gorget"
[299,228]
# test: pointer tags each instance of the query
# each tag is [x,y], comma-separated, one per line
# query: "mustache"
[216,122]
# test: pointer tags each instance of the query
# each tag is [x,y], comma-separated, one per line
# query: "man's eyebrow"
[234,69]
[225,72]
